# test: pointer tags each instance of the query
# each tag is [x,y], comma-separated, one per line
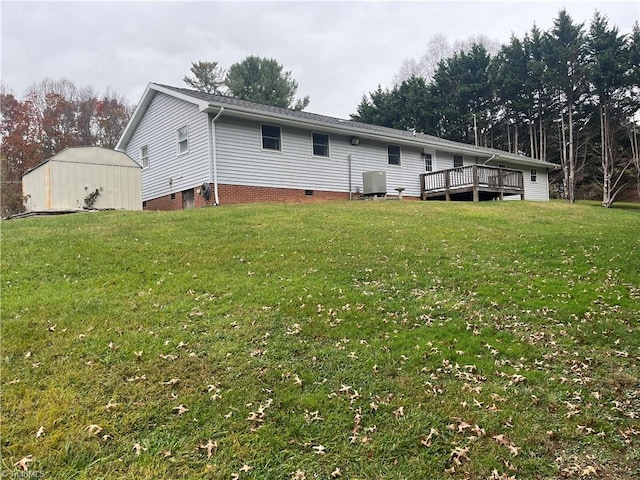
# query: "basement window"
[393,152]
[458,161]
[308,193]
[271,137]
[183,140]
[320,144]
[534,175]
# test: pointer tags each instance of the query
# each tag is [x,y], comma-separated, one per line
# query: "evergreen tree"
[565,74]
[263,80]
[207,77]
[607,60]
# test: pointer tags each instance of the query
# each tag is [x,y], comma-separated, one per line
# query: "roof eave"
[349,128]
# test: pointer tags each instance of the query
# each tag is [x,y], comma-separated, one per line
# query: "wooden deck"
[474,182]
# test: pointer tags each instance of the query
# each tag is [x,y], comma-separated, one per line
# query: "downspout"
[490,158]
[216,198]
[349,161]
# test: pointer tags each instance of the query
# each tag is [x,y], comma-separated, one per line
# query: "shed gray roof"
[212,102]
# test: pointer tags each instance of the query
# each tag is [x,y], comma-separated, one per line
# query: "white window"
[183,140]
[144,156]
[320,144]
[393,152]
[271,137]
[534,175]
[428,162]
[458,161]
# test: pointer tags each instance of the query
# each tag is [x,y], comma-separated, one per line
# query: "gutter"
[214,158]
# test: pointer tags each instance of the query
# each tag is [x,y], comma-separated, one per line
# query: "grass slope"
[370,340]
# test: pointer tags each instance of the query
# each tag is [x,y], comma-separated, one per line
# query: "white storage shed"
[84,177]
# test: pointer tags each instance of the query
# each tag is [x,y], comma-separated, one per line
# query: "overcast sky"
[337,51]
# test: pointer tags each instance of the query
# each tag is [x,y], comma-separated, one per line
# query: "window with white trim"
[183,140]
[393,153]
[428,162]
[534,175]
[144,156]
[458,161]
[271,137]
[320,144]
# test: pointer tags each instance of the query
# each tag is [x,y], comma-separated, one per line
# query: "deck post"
[447,185]
[476,195]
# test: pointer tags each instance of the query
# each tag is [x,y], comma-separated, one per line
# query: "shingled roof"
[208,101]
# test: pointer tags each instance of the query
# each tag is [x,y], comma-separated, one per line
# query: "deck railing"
[474,178]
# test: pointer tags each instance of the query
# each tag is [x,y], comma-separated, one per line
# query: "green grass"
[389,340]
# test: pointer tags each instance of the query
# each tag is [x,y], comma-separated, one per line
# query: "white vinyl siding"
[158,129]
[241,161]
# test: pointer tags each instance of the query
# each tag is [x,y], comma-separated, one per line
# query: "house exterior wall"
[538,190]
[242,161]
[168,171]
[246,172]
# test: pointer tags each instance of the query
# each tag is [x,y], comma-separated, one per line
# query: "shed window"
[144,156]
[183,140]
[534,175]
[271,137]
[428,162]
[320,144]
[393,152]
[458,161]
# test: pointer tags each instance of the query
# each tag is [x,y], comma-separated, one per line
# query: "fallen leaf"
[211,448]
[180,409]
[22,464]
[138,448]
[93,429]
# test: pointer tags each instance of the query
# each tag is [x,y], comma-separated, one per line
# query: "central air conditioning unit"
[374,183]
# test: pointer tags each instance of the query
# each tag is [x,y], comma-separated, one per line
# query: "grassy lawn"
[361,340]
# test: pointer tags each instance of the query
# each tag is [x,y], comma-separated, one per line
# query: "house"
[200,149]
[83,177]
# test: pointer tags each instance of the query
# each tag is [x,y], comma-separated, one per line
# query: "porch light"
[355,140]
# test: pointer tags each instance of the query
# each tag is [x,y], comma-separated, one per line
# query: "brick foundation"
[236,194]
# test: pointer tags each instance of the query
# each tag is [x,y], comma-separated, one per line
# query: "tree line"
[570,96]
